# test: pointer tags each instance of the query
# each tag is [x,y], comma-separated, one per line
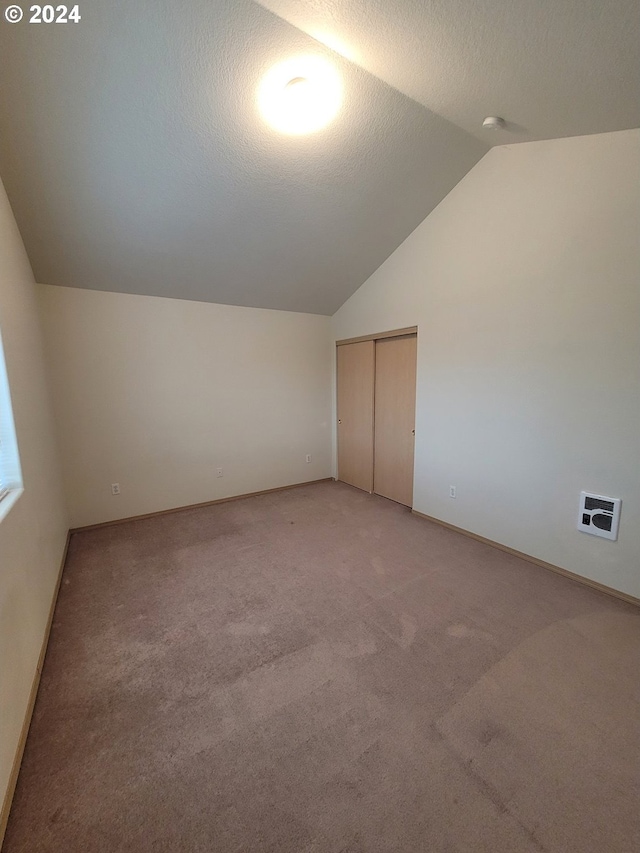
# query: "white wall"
[525,286]
[155,394]
[33,533]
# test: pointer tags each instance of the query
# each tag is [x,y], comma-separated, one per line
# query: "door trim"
[396,333]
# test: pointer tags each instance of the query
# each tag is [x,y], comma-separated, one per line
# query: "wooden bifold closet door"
[376,385]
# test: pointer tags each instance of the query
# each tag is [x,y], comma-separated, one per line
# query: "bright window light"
[300,95]
[10,475]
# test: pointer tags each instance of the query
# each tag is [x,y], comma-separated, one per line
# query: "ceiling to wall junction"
[136,158]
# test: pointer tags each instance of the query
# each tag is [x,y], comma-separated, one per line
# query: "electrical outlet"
[307,458]
[218,472]
[115,488]
[452,491]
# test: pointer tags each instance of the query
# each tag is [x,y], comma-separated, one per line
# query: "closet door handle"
[413,432]
[339,421]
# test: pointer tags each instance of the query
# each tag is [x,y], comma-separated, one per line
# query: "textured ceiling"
[552,68]
[135,158]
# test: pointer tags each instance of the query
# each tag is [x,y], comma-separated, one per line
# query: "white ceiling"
[136,161]
[551,68]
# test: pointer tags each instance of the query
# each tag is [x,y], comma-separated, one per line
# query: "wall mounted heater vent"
[599,515]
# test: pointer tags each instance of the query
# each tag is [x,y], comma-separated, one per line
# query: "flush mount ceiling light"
[300,95]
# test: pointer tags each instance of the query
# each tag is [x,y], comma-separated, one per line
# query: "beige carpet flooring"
[319,671]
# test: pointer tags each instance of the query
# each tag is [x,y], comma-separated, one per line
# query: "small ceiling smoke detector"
[494,123]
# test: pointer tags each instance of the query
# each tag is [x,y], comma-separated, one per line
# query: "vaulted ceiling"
[136,159]
[552,68]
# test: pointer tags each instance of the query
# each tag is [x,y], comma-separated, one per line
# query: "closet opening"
[376,403]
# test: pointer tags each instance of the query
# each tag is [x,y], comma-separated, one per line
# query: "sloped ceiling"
[552,68]
[136,161]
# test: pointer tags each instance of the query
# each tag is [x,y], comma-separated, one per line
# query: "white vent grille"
[599,515]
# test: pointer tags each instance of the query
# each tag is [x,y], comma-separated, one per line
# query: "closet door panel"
[355,379]
[395,408]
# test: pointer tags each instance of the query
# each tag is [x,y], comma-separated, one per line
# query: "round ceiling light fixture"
[300,95]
